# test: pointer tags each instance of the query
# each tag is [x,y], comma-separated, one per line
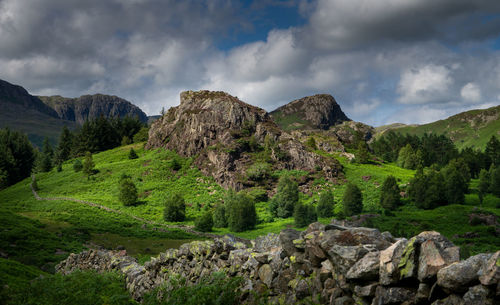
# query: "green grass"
[468,129]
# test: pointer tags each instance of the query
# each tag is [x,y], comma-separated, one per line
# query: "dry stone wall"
[331,264]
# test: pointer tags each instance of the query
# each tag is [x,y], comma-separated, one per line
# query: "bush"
[287,196]
[240,212]
[126,141]
[174,164]
[220,218]
[216,289]
[88,164]
[204,223]
[311,143]
[325,204]
[132,154]
[304,215]
[78,287]
[175,208]
[259,171]
[77,165]
[141,135]
[258,194]
[128,192]
[353,200]
[390,196]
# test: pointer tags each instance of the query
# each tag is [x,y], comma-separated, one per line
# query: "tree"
[175,208]
[220,219]
[457,177]
[132,154]
[204,223]
[63,150]
[17,156]
[495,180]
[304,215]
[417,187]
[353,200]
[126,141]
[287,196]
[427,191]
[407,157]
[141,135]
[493,150]
[325,204]
[240,211]
[390,196]
[88,164]
[45,161]
[127,192]
[484,184]
[363,156]
[77,165]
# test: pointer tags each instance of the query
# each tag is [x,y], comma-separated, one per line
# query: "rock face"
[17,95]
[333,264]
[221,131]
[318,111]
[88,107]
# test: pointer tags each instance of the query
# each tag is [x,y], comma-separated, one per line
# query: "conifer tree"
[175,208]
[303,215]
[495,180]
[353,200]
[390,196]
[493,150]
[240,211]
[127,192]
[325,204]
[88,164]
[484,184]
[220,218]
[64,147]
[45,162]
[205,222]
[132,154]
[287,196]
[363,156]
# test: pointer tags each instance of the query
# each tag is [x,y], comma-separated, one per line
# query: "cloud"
[471,92]
[424,85]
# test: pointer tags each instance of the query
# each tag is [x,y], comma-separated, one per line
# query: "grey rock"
[490,273]
[450,300]
[389,261]
[457,276]
[266,274]
[366,291]
[366,268]
[286,238]
[478,295]
[393,295]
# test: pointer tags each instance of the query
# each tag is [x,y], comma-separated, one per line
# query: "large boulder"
[458,276]
[389,262]
[490,273]
[436,252]
[366,268]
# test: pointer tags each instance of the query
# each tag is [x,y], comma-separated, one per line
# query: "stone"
[490,273]
[389,261]
[366,291]
[393,295]
[315,226]
[344,257]
[477,295]
[423,293]
[366,268]
[457,276]
[431,259]
[326,270]
[450,300]
[266,242]
[408,263]
[286,238]
[266,274]
[302,289]
[345,300]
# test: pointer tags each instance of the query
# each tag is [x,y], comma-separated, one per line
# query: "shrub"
[126,141]
[311,143]
[77,165]
[128,192]
[325,204]
[304,215]
[287,196]
[390,194]
[204,223]
[240,210]
[141,135]
[362,156]
[132,154]
[258,194]
[88,164]
[175,164]
[353,200]
[175,208]
[216,289]
[220,219]
[259,171]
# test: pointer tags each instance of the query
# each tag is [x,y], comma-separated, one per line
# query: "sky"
[384,61]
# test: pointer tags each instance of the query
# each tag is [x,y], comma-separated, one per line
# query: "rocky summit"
[224,133]
[319,111]
[332,264]
[89,107]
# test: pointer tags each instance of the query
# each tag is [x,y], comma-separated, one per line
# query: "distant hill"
[44,116]
[21,111]
[471,128]
[88,107]
[319,111]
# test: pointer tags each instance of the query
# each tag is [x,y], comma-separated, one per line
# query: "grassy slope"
[460,127]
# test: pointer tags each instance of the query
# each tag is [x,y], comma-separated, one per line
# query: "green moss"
[406,265]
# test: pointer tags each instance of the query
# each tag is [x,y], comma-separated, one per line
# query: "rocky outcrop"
[221,132]
[13,95]
[333,264]
[351,132]
[89,107]
[319,111]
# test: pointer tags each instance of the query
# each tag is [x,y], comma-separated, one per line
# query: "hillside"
[319,111]
[41,117]
[471,128]
[89,107]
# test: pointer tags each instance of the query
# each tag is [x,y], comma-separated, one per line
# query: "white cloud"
[427,84]
[471,93]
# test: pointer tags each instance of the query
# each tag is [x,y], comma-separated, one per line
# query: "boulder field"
[329,264]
